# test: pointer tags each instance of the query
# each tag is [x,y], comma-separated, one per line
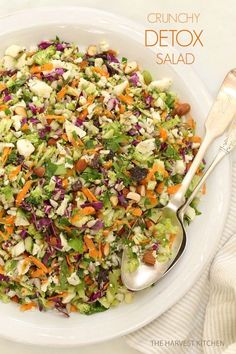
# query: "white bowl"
[87,26]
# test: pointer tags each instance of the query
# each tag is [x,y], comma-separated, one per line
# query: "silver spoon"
[219,117]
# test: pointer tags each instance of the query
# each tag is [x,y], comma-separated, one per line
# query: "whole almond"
[182,109]
[52,141]
[39,171]
[148,258]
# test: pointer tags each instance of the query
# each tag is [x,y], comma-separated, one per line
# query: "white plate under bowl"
[88,26]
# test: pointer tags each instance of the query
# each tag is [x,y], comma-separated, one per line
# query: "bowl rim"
[135,28]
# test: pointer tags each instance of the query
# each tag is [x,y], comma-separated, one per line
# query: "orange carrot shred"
[91,197]
[21,195]
[173,189]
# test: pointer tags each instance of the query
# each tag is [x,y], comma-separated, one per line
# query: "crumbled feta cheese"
[73,279]
[8,62]
[190,213]
[160,103]
[13,51]
[164,198]
[98,62]
[82,101]
[188,158]
[40,88]
[156,116]
[146,146]
[16,121]
[25,147]
[175,133]
[21,62]
[179,167]
[18,249]
[70,128]
[161,85]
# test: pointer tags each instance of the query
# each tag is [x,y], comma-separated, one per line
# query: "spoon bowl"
[145,275]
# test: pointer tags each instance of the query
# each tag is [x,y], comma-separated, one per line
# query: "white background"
[218,21]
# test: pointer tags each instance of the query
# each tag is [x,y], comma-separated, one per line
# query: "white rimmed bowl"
[88,26]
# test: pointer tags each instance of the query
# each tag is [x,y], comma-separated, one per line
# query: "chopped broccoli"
[44,55]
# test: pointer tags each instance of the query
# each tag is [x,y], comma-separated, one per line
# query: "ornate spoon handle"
[226,147]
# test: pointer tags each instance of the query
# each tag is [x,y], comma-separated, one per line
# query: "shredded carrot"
[160,187]
[107,164]
[6,153]
[64,137]
[65,183]
[99,250]
[38,273]
[105,233]
[122,108]
[25,127]
[136,211]
[38,263]
[171,239]
[54,117]
[148,223]
[83,64]
[151,174]
[83,114]
[74,218]
[21,195]
[88,280]
[2,86]
[47,67]
[126,99]
[91,197]
[89,242]
[163,134]
[61,93]
[73,308]
[38,75]
[27,307]
[173,189]
[35,69]
[152,197]
[100,71]
[27,175]
[196,139]
[93,252]
[88,211]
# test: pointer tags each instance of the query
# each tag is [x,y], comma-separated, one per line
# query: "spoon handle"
[219,117]
[227,146]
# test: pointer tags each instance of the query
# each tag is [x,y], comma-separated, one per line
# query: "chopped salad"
[91,147]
